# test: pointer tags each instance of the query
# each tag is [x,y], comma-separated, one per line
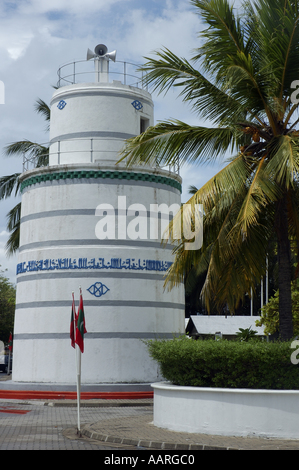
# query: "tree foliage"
[10,185]
[270,312]
[240,78]
[7,307]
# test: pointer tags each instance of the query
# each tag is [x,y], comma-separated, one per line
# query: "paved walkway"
[33,426]
[139,430]
[130,423]
[106,424]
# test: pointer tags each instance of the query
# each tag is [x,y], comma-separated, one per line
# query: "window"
[144,123]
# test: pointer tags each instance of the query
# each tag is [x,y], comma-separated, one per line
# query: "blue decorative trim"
[137,105]
[98,289]
[94,263]
[61,104]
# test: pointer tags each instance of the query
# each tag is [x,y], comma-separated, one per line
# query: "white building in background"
[121,279]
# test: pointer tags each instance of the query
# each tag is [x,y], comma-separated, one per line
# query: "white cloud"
[54,9]
[18,45]
[146,33]
[15,36]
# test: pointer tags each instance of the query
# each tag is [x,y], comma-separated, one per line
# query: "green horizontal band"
[121,175]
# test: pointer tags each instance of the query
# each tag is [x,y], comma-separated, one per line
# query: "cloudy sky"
[38,36]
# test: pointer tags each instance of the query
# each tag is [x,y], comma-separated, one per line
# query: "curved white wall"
[121,279]
[227,412]
[59,252]
[94,120]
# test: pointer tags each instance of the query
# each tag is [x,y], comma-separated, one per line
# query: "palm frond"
[8,184]
[39,155]
[14,217]
[170,141]
[13,242]
[13,226]
[283,166]
[206,98]
[36,153]
[192,189]
[262,191]
[42,108]
[24,146]
[232,267]
[293,212]
[223,37]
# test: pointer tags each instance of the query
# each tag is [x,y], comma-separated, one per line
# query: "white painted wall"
[58,222]
[136,306]
[102,112]
[227,412]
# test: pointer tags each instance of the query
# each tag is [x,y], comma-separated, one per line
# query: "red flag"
[80,327]
[72,325]
[10,342]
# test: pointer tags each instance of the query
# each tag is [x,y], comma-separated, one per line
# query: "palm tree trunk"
[284,270]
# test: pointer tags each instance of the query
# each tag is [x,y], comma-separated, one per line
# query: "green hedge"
[226,364]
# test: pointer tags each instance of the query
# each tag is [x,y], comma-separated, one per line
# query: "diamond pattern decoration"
[98,289]
[137,105]
[61,104]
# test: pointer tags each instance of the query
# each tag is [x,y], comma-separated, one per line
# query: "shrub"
[226,364]
[270,312]
[245,334]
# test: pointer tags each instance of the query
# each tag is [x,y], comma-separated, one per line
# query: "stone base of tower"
[44,390]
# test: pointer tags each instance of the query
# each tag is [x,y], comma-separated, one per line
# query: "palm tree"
[241,79]
[39,154]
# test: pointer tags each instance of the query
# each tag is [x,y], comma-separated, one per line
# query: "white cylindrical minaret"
[62,245]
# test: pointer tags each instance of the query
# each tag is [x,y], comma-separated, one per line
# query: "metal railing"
[36,161]
[80,71]
[90,152]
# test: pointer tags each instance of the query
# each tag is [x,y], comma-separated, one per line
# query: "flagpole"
[73,327]
[9,353]
[74,322]
[8,366]
[78,362]
[78,343]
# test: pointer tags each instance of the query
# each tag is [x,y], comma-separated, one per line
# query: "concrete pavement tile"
[42,427]
[139,428]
